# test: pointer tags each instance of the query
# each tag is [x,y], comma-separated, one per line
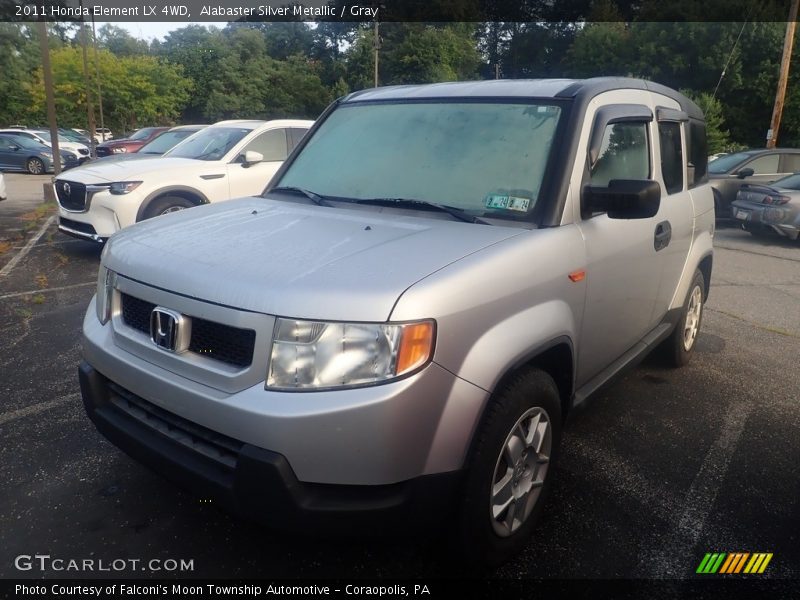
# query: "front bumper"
[104,214]
[252,481]
[783,219]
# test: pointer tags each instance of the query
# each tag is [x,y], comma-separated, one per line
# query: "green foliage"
[719,139]
[137,90]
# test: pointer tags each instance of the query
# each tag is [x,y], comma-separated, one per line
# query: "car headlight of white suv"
[120,188]
[309,355]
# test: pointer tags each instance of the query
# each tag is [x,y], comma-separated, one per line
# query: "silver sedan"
[774,208]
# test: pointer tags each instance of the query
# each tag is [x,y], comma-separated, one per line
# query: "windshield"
[165,141]
[142,134]
[210,144]
[482,157]
[723,164]
[45,135]
[72,137]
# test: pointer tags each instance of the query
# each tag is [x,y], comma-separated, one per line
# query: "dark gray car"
[729,173]
[19,153]
[770,209]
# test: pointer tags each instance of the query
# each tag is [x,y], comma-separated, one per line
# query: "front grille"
[71,195]
[220,342]
[136,313]
[77,226]
[221,449]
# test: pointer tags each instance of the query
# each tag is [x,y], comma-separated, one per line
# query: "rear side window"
[295,135]
[791,163]
[697,150]
[669,135]
[764,165]
[624,154]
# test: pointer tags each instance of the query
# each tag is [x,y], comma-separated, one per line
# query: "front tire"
[510,474]
[680,345]
[35,166]
[166,205]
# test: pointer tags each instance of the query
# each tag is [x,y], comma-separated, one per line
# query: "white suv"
[43,137]
[227,160]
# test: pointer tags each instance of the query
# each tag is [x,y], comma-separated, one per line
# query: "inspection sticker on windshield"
[508,202]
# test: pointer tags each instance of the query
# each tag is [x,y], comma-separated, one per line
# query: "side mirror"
[624,198]
[251,157]
[746,172]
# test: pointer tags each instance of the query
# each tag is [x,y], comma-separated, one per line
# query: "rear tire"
[35,166]
[510,473]
[680,345]
[166,205]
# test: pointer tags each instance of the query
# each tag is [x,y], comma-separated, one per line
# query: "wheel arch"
[705,266]
[182,191]
[556,357]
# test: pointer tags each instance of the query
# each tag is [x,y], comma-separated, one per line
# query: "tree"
[137,90]
[119,42]
[718,138]
[19,56]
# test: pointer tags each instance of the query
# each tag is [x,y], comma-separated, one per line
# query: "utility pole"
[788,42]
[48,92]
[376,44]
[97,76]
[87,81]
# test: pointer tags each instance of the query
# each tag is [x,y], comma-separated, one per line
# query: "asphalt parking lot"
[658,470]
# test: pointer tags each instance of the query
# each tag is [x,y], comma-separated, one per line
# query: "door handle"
[662,235]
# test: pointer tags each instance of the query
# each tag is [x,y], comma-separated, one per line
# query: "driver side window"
[271,144]
[624,154]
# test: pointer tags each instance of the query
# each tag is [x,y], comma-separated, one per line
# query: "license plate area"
[742,215]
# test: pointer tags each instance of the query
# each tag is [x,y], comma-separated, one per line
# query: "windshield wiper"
[315,198]
[457,213]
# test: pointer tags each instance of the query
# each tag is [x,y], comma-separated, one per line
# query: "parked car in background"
[21,153]
[226,160]
[74,136]
[102,134]
[728,173]
[160,144]
[770,209]
[129,144]
[43,137]
[3,193]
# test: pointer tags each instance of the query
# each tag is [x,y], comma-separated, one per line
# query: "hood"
[294,260]
[108,171]
[121,142]
[71,146]
[120,157]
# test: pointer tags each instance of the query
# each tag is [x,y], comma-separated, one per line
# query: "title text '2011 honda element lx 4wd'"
[428,286]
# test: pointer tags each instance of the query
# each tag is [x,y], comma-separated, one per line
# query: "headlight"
[119,150]
[124,187]
[106,282]
[313,354]
[47,154]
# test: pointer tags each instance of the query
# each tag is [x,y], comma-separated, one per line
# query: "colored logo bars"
[734,562]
